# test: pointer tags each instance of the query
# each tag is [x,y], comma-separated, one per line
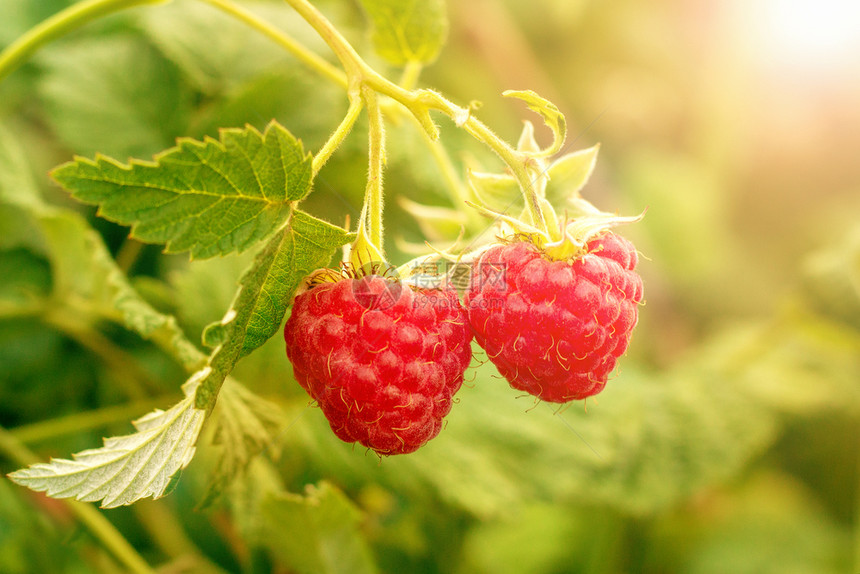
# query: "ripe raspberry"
[381,359]
[555,328]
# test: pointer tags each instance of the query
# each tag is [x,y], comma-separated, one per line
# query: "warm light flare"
[808,35]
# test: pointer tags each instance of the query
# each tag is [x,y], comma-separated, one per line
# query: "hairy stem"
[99,526]
[516,161]
[336,139]
[349,58]
[376,160]
[292,46]
[59,25]
[419,102]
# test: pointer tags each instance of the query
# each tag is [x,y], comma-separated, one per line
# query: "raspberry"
[382,359]
[555,328]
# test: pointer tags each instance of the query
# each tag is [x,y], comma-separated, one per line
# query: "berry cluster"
[383,359]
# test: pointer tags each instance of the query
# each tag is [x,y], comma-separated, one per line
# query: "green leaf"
[499,192]
[802,364]
[537,538]
[26,276]
[305,244]
[30,542]
[649,441]
[245,424]
[832,279]
[201,292]
[318,533]
[81,267]
[569,174]
[16,179]
[248,495]
[184,32]
[114,95]
[405,31]
[210,198]
[551,115]
[771,523]
[126,468]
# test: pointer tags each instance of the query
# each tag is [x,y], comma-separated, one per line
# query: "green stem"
[100,527]
[459,189]
[515,160]
[336,139]
[419,102]
[292,46]
[137,382]
[128,254]
[349,58]
[59,25]
[77,422]
[410,76]
[376,160]
[171,537]
[170,338]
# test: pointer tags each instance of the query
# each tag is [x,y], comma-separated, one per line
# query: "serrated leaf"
[126,468]
[551,115]
[405,31]
[316,534]
[301,246]
[209,198]
[201,292]
[245,424]
[305,245]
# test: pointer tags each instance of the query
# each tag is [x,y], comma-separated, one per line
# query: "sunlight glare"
[812,34]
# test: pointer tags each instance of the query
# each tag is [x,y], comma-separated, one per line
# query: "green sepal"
[551,115]
[569,174]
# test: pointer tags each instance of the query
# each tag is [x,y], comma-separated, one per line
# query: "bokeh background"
[726,442]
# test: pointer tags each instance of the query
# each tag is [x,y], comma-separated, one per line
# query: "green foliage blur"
[727,441]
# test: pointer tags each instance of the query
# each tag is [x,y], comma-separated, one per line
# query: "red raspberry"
[555,328]
[381,359]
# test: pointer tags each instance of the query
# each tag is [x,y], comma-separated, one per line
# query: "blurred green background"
[726,442]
